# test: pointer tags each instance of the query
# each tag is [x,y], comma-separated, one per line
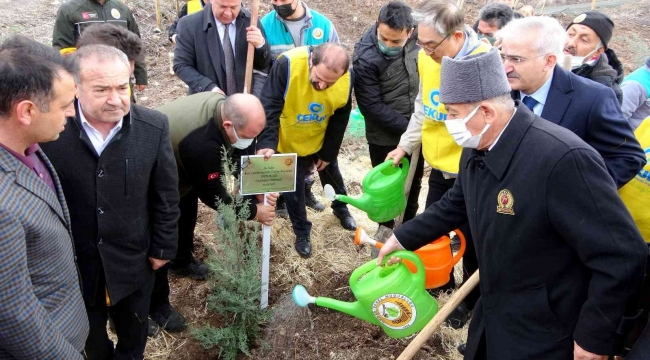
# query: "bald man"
[307,100]
[201,125]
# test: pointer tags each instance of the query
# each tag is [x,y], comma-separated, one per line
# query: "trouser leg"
[189,207]
[160,292]
[438,187]
[295,202]
[98,345]
[331,175]
[131,325]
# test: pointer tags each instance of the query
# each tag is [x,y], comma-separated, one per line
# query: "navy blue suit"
[592,112]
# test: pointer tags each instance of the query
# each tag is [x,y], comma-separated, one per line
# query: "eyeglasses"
[431,50]
[514,59]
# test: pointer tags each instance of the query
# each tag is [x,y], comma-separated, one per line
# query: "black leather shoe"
[303,246]
[281,211]
[194,270]
[312,202]
[459,317]
[169,319]
[461,348]
[347,221]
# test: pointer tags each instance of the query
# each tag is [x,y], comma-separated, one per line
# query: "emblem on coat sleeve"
[505,202]
[317,33]
[213,176]
[115,13]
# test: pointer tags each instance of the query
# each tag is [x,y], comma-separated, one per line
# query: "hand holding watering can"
[436,256]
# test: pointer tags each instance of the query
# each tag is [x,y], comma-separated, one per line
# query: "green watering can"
[383,196]
[389,296]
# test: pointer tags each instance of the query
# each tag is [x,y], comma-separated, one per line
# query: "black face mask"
[284,11]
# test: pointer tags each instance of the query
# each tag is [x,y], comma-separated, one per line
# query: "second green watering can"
[389,296]
[383,196]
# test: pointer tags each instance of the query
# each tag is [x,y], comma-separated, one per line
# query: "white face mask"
[577,61]
[241,143]
[462,136]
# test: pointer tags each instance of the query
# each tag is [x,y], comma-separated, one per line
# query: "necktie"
[231,85]
[529,102]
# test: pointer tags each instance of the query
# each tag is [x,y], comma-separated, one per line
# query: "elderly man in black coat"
[202,60]
[118,173]
[561,260]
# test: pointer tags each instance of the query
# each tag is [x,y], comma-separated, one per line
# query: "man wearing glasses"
[441,32]
[589,109]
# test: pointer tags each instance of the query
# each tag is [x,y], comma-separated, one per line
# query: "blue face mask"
[390,51]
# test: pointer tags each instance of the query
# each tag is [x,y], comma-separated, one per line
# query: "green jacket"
[198,139]
[188,114]
[75,15]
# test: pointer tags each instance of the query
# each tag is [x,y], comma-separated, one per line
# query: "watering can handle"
[361,270]
[420,275]
[461,251]
[389,163]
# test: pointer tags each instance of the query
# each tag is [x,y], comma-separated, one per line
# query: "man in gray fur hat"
[561,260]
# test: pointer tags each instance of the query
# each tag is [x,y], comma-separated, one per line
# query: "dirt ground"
[316,333]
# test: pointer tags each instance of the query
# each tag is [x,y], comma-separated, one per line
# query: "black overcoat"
[559,254]
[123,204]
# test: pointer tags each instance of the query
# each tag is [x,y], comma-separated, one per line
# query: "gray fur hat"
[473,78]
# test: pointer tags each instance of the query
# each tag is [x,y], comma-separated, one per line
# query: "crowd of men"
[100,195]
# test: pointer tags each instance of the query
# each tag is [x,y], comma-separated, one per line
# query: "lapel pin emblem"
[505,202]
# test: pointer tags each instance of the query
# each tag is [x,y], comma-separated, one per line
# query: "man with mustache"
[119,176]
[587,108]
[307,100]
[587,37]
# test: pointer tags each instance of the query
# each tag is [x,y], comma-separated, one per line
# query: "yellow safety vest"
[636,193]
[306,111]
[193,6]
[438,147]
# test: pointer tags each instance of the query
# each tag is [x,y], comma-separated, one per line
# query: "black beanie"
[598,22]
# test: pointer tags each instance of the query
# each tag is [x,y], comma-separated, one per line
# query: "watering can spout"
[363,203]
[355,309]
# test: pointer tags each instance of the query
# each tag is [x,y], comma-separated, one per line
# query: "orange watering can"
[436,257]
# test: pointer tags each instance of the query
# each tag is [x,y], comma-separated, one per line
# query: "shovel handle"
[439,318]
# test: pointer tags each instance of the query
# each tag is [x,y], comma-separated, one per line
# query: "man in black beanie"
[587,38]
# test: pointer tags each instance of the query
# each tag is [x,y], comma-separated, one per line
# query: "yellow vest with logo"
[438,147]
[193,6]
[636,193]
[306,111]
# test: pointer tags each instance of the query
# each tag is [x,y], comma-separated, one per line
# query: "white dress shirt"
[96,138]
[232,30]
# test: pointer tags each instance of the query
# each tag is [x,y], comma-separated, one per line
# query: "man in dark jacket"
[75,15]
[119,177]
[203,62]
[202,126]
[587,37]
[585,107]
[386,83]
[307,101]
[561,266]
[189,8]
